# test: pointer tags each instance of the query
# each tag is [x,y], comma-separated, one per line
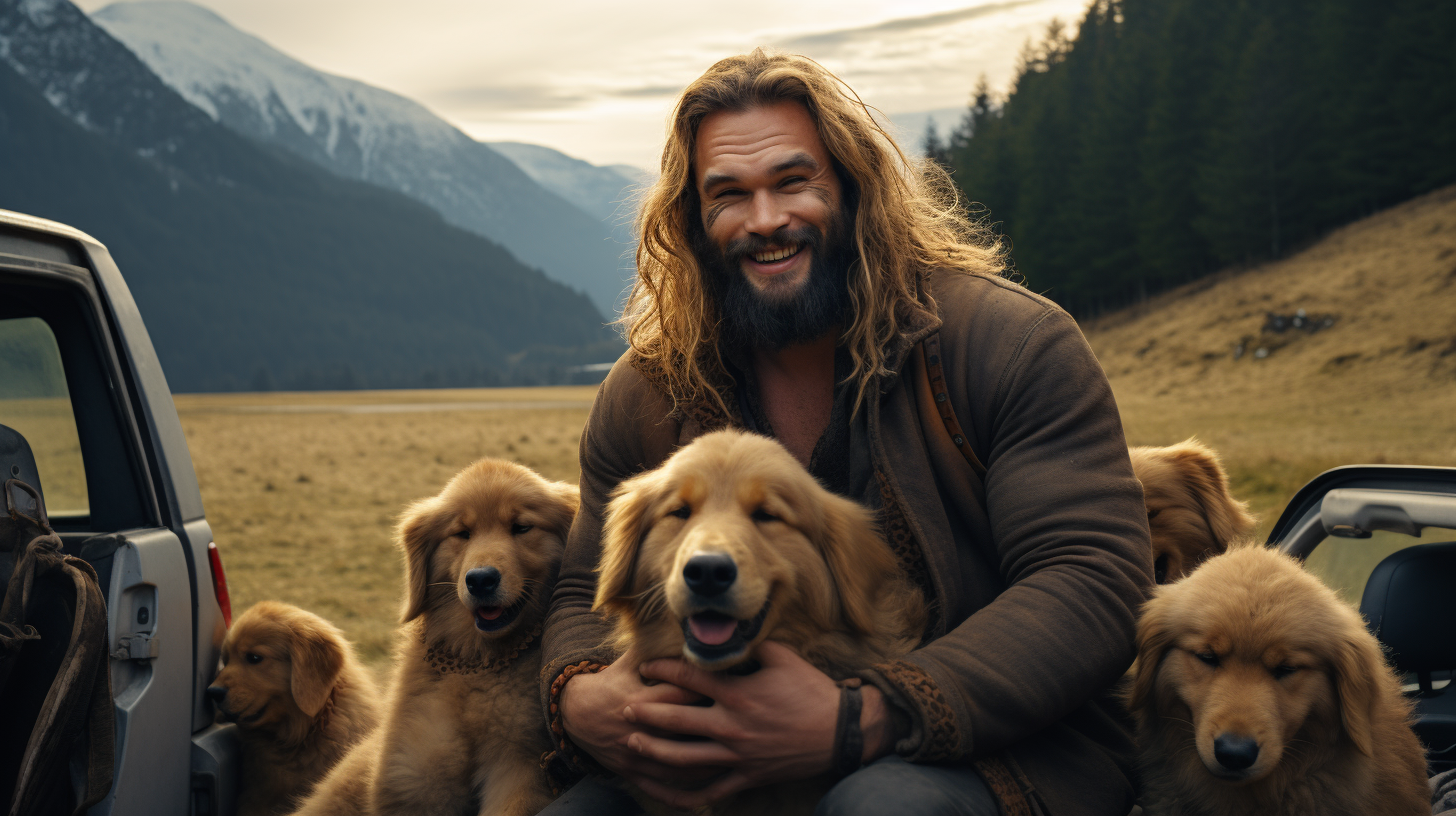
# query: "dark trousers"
[888,786]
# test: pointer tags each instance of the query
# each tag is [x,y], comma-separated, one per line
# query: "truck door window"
[35,401]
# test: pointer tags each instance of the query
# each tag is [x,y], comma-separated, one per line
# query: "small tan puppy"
[1191,511]
[1258,692]
[462,729]
[300,699]
[730,543]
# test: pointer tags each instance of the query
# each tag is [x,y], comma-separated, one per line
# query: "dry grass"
[303,490]
[1378,387]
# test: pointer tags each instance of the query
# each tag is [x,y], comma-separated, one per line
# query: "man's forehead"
[759,138]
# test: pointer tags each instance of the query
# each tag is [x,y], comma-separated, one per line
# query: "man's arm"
[1070,541]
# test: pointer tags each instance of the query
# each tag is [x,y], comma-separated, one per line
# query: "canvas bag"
[57,728]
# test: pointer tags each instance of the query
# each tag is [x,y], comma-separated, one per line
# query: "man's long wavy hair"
[906,213]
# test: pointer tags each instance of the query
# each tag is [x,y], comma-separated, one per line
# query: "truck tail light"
[219,583]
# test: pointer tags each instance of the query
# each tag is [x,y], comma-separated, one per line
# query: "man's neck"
[796,389]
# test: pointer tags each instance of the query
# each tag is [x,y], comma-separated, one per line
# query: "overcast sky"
[597,80]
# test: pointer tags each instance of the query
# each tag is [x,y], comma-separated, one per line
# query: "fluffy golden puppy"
[462,730]
[1257,691]
[1191,511]
[300,699]
[730,543]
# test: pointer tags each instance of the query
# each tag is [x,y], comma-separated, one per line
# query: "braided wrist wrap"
[564,762]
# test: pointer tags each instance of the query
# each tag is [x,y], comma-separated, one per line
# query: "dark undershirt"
[829,462]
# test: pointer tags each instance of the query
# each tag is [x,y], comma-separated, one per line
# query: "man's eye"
[253,657]
[519,529]
[792,180]
[682,512]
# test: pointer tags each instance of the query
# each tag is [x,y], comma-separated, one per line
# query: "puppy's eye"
[682,512]
[253,658]
[465,534]
[1153,513]
[520,529]
[763,515]
[1207,657]
[1160,570]
[1282,671]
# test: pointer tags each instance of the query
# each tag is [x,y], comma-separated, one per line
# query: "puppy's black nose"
[710,575]
[482,581]
[217,693]
[1234,752]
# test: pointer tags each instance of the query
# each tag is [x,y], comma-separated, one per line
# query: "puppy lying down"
[300,699]
[730,543]
[1258,692]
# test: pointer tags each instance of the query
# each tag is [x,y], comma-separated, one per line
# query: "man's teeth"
[775,255]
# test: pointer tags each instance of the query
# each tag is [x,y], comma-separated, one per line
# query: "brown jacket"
[1035,589]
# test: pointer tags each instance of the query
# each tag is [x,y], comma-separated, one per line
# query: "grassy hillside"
[1377,386]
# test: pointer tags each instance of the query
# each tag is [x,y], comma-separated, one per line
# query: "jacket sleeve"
[1070,539]
[627,432]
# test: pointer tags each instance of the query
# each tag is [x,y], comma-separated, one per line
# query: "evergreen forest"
[1165,139]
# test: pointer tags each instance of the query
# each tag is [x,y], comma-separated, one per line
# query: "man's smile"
[772,255]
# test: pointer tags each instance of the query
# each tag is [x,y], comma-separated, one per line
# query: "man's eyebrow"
[798,160]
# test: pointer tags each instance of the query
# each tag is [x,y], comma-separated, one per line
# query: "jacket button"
[934,359]
[940,397]
[958,440]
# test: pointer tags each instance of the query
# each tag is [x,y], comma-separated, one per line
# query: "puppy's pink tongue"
[712,630]
[489,612]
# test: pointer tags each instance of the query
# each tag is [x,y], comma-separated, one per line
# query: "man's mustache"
[736,251]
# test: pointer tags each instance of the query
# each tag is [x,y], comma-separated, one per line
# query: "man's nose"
[766,214]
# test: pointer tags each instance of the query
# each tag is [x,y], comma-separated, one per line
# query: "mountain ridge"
[358,131]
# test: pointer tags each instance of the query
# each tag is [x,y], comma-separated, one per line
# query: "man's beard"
[752,319]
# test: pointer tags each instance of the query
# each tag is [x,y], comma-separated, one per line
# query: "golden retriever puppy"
[1257,691]
[462,730]
[731,542]
[1191,512]
[300,699]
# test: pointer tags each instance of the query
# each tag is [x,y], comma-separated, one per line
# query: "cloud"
[648,91]
[511,97]
[828,42]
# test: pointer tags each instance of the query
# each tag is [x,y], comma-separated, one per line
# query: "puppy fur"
[1252,650]
[462,731]
[1191,511]
[811,568]
[300,699]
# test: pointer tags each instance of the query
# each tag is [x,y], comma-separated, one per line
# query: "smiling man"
[798,277]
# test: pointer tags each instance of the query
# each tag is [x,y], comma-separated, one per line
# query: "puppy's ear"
[318,656]
[859,561]
[622,533]
[566,499]
[421,529]
[1155,636]
[1228,518]
[1356,660]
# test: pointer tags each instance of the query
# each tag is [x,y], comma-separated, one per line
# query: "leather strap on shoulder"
[930,353]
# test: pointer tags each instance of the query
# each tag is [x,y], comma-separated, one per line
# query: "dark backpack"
[57,728]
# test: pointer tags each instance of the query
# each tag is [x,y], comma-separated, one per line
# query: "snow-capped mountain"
[605,192]
[252,265]
[363,132]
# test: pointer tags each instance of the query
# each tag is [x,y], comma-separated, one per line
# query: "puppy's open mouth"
[496,618]
[713,637]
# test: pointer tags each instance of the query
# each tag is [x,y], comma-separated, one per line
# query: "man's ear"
[623,529]
[421,529]
[317,659]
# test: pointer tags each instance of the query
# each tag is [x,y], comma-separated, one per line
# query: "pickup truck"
[80,381]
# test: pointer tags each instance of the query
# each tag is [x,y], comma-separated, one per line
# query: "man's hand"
[774,725]
[592,707]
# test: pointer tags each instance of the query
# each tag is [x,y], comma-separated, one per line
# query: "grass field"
[302,490]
